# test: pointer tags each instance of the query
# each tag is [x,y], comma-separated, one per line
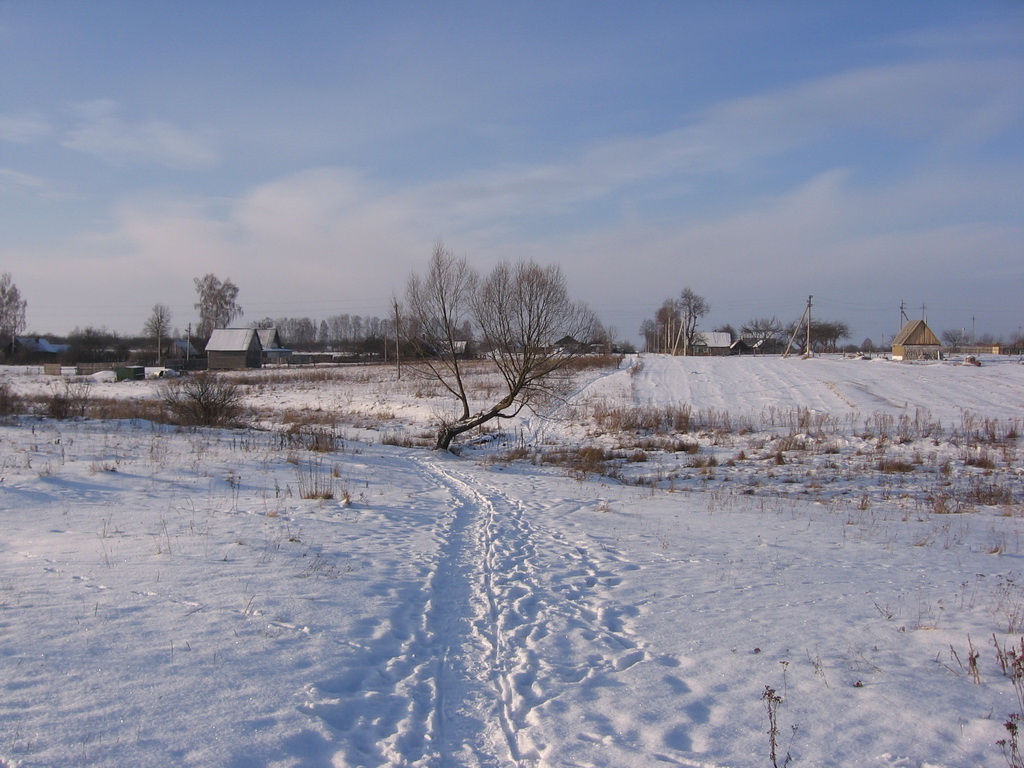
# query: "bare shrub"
[981,458]
[300,418]
[10,402]
[516,453]
[645,419]
[772,702]
[67,400]
[990,493]
[792,442]
[703,462]
[313,482]
[1011,745]
[315,440]
[113,408]
[580,462]
[946,504]
[204,400]
[893,466]
[589,362]
[401,439]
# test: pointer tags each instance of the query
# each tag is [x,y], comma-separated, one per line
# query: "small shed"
[916,342]
[234,348]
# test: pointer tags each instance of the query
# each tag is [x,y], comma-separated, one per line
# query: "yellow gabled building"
[916,342]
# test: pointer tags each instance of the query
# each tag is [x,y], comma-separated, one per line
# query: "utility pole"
[398,335]
[806,316]
[807,349]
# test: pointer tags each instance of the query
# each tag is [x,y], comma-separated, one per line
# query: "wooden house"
[712,343]
[180,349]
[34,348]
[916,342]
[234,348]
[740,347]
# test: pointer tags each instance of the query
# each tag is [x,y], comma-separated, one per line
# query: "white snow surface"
[168,598]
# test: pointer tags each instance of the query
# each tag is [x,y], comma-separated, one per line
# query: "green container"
[130,373]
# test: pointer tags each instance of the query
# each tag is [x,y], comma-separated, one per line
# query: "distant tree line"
[674,329]
[345,333]
[959,338]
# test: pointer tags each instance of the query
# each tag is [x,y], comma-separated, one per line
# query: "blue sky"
[867,153]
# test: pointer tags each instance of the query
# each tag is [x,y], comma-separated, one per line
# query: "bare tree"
[217,303]
[527,326]
[649,331]
[12,309]
[691,309]
[660,332]
[763,329]
[437,304]
[674,328]
[824,335]
[531,330]
[669,325]
[158,326]
[766,334]
[955,338]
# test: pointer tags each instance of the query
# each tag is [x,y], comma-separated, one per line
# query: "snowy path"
[512,618]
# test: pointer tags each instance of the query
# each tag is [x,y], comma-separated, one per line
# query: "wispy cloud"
[10,179]
[104,133]
[938,108]
[24,128]
[302,242]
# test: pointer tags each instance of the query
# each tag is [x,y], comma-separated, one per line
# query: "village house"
[180,349]
[712,343]
[34,348]
[234,348]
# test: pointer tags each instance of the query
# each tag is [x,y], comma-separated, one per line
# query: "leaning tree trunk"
[446,433]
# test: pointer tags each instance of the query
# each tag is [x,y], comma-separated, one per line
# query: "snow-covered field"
[611,582]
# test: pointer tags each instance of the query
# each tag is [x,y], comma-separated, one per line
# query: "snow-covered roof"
[231,339]
[39,344]
[269,338]
[715,338]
